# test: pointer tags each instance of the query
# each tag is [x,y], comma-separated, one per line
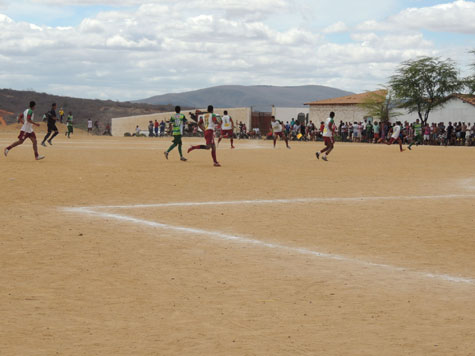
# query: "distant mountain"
[260,97]
[12,102]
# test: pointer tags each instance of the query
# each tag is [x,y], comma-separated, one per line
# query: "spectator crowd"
[452,134]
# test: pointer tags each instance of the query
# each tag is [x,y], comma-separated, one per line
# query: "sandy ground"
[390,272]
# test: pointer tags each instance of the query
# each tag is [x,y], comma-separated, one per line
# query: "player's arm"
[200,124]
[28,118]
[20,119]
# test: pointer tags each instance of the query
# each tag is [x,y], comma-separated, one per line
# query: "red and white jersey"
[276,126]
[209,121]
[27,126]
[226,122]
[396,131]
[328,128]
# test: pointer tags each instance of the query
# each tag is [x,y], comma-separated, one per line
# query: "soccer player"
[396,135]
[208,123]
[69,125]
[417,134]
[177,122]
[328,132]
[227,128]
[27,131]
[51,116]
[277,130]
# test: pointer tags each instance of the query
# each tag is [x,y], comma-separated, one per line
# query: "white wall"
[121,125]
[455,110]
[345,113]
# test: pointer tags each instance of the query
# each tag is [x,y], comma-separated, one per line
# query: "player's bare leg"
[14,144]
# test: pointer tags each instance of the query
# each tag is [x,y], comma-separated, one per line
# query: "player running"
[26,119]
[328,137]
[177,122]
[51,116]
[208,123]
[396,136]
[227,128]
[277,131]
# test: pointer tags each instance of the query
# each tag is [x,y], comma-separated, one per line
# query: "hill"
[260,97]
[12,102]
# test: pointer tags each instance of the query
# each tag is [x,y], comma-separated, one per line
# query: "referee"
[51,116]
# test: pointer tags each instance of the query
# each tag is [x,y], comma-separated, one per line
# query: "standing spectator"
[426,134]
[355,132]
[137,130]
[162,128]
[150,128]
[89,126]
[463,133]
[344,132]
[369,132]
[450,132]
[61,115]
[155,125]
[376,130]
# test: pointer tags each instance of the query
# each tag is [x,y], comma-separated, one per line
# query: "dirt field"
[371,253]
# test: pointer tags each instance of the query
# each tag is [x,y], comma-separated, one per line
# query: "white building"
[121,125]
[460,108]
[346,108]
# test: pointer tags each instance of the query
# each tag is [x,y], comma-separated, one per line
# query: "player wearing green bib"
[417,134]
[69,124]
[178,122]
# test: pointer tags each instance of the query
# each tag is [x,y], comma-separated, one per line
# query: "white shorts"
[426,137]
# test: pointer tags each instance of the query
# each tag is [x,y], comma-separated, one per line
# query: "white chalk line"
[290,201]
[246,240]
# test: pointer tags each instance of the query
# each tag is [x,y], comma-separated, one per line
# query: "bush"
[127,134]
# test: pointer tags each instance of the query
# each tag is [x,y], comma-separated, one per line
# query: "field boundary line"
[290,201]
[274,246]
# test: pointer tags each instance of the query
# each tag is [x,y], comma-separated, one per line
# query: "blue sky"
[129,49]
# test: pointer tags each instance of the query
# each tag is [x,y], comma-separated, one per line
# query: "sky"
[130,49]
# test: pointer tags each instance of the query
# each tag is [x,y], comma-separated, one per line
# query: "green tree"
[380,104]
[425,83]
[470,81]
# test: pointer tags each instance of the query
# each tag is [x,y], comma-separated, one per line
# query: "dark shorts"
[24,135]
[279,134]
[70,129]
[209,137]
[177,140]
[328,140]
[52,128]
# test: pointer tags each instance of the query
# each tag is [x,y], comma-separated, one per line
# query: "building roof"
[353,99]
[469,99]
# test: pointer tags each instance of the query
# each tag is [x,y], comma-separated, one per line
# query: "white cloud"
[168,46]
[457,16]
[337,27]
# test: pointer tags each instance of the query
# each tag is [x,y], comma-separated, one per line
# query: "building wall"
[286,114]
[121,125]
[345,113]
[455,110]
